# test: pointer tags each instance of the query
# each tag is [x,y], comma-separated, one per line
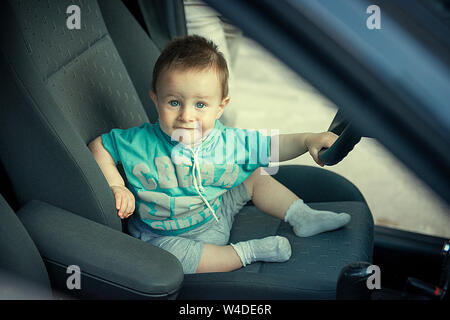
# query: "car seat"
[22,271]
[60,89]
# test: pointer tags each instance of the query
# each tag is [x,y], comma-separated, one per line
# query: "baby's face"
[188,103]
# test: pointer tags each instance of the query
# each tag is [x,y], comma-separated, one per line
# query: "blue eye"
[174,103]
[200,105]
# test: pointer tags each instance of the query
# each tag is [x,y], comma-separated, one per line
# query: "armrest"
[113,264]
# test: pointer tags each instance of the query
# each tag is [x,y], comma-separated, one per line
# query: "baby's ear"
[154,97]
[222,106]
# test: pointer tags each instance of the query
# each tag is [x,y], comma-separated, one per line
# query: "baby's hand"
[124,201]
[316,141]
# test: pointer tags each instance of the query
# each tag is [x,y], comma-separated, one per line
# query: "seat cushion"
[311,272]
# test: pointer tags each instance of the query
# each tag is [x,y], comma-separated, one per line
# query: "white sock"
[270,249]
[307,222]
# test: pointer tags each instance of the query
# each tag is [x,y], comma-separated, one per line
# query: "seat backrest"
[60,88]
[164,19]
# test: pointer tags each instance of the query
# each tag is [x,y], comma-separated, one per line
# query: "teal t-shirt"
[159,171]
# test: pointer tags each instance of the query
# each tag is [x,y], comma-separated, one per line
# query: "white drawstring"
[195,169]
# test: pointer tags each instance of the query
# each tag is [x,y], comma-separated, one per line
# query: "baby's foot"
[307,222]
[270,249]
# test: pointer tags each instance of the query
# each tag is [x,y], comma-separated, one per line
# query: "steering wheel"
[348,138]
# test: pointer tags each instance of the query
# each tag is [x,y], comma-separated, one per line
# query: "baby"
[188,175]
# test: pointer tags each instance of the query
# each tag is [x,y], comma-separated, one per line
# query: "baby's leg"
[275,199]
[194,255]
[218,259]
[268,194]
[228,258]
[199,257]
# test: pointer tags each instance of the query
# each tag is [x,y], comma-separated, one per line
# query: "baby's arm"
[125,201]
[296,144]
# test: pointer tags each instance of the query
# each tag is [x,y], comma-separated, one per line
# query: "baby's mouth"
[191,126]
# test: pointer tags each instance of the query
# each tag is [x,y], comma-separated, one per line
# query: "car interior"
[62,88]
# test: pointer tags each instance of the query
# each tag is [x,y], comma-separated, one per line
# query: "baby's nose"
[186,114]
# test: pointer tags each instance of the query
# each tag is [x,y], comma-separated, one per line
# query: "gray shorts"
[188,246]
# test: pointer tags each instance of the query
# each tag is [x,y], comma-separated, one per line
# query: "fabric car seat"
[22,271]
[61,88]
